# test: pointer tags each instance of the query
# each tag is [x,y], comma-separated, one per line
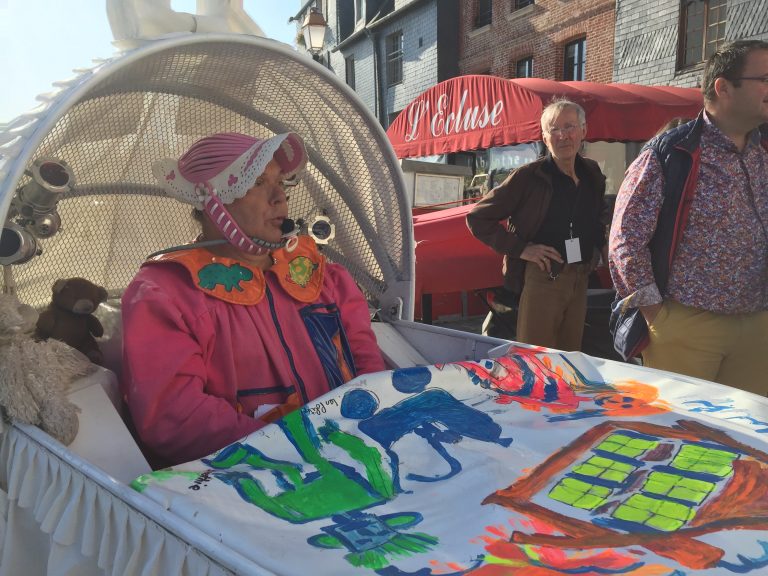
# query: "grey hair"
[555,108]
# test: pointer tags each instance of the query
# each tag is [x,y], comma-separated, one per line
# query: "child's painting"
[531,464]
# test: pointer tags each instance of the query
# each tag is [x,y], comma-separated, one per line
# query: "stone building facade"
[665,42]
[389,51]
[515,33]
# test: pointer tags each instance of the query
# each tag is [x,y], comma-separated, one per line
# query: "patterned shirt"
[721,263]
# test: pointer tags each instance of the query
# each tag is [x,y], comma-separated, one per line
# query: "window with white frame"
[524,67]
[702,30]
[575,60]
[394,46]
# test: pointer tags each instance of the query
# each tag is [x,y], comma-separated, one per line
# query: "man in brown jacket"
[553,235]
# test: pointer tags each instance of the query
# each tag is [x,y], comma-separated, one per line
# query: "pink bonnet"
[228,163]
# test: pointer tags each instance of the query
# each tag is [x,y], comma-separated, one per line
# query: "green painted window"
[579,494]
[704,460]
[658,514]
[678,487]
[604,468]
[626,445]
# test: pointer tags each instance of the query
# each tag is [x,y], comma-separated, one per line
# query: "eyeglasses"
[763,79]
[566,130]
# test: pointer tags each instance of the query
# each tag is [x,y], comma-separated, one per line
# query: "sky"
[43,41]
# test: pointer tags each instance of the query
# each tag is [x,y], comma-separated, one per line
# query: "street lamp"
[313,29]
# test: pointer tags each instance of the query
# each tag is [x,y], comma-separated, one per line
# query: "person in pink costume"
[242,326]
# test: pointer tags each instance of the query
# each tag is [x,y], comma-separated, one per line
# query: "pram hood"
[109,123]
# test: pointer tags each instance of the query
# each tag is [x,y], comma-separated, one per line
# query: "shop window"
[394,44]
[524,68]
[484,13]
[575,60]
[503,159]
[702,30]
[477,160]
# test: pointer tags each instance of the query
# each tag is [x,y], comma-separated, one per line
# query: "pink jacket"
[196,367]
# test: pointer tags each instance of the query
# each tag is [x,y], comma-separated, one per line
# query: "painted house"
[641,484]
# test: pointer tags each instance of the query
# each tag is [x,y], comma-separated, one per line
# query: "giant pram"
[449,464]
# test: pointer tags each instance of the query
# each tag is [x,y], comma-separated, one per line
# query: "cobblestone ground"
[596,341]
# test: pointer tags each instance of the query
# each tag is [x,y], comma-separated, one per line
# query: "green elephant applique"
[228,276]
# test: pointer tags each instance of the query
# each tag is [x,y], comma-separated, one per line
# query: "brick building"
[553,39]
[389,51]
[667,41]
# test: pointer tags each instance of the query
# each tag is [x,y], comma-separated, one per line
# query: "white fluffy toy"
[35,376]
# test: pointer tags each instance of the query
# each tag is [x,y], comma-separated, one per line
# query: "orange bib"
[299,270]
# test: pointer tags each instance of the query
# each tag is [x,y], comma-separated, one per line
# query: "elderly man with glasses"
[552,234]
[689,241]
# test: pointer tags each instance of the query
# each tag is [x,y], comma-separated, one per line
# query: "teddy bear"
[36,374]
[68,317]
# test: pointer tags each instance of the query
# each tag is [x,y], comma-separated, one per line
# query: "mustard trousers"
[552,311]
[730,349]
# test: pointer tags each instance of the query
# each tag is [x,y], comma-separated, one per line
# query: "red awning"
[475,112]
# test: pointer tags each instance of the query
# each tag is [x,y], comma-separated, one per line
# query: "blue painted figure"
[420,415]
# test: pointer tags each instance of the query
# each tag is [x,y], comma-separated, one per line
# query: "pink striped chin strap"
[231,231]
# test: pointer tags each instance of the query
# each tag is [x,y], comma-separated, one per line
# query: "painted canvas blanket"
[533,463]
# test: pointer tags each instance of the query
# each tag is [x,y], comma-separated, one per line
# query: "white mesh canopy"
[109,124]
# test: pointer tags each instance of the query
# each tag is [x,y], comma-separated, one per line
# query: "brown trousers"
[552,312]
